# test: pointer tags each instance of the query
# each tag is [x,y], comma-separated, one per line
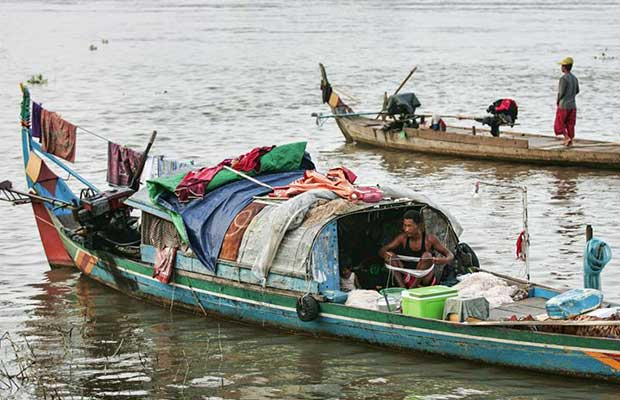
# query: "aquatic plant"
[37,80]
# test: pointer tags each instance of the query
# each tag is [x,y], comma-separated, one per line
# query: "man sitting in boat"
[415,242]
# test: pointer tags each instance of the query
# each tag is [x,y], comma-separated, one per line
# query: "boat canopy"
[299,237]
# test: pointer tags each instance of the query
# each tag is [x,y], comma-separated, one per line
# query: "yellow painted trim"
[33,169]
[333,100]
[605,359]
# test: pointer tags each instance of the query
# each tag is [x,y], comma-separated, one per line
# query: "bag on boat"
[403,104]
[465,259]
[505,109]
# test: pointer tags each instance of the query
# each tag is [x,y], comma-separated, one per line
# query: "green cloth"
[177,220]
[280,159]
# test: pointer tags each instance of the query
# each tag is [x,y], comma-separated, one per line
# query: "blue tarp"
[207,220]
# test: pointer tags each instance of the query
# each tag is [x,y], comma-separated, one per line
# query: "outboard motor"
[402,108]
[105,220]
[503,112]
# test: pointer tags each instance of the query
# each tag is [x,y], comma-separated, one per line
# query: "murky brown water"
[217,78]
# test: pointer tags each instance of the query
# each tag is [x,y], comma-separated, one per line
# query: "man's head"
[412,221]
[567,64]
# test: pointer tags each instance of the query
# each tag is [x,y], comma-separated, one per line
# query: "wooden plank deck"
[531,306]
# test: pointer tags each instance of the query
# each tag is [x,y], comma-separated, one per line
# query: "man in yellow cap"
[566,113]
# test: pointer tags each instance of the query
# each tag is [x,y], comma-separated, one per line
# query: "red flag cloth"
[165,260]
[520,246]
[195,183]
[58,136]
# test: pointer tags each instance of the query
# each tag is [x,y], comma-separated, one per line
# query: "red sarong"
[565,121]
[58,135]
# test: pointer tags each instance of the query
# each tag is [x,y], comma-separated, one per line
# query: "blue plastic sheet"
[206,220]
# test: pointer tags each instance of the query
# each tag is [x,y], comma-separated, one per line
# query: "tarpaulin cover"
[286,157]
[207,220]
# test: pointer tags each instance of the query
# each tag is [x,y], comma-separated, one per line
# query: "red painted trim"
[55,251]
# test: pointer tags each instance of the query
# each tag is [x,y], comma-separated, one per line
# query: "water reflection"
[565,185]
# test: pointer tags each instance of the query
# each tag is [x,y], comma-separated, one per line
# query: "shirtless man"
[415,242]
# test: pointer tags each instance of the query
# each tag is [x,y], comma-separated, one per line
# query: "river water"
[217,78]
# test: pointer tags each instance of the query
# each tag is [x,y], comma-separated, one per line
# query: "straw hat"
[567,61]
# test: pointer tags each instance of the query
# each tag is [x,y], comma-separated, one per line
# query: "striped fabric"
[84,261]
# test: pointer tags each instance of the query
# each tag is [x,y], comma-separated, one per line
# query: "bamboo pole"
[405,80]
[249,178]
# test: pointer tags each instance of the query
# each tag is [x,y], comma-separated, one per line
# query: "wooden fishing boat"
[468,142]
[300,275]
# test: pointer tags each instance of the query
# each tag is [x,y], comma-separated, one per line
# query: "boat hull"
[562,354]
[465,143]
[54,248]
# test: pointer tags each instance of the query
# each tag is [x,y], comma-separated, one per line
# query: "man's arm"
[447,258]
[386,251]
[577,83]
[561,90]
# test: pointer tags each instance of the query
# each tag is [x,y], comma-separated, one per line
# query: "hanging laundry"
[195,183]
[157,166]
[35,125]
[58,136]
[338,180]
[165,260]
[168,166]
[150,168]
[123,163]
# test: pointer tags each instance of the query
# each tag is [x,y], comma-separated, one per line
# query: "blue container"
[335,296]
[574,302]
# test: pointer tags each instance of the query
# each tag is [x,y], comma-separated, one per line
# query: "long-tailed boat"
[466,142]
[274,268]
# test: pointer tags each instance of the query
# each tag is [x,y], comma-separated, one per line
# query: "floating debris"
[104,41]
[37,80]
[604,56]
[92,47]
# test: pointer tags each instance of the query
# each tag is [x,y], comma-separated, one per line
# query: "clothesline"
[94,134]
[91,132]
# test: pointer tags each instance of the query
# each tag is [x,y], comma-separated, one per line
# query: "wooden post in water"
[589,233]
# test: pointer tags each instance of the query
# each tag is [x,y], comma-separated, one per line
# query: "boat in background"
[414,133]
[279,264]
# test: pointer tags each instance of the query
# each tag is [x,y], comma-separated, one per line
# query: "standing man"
[566,113]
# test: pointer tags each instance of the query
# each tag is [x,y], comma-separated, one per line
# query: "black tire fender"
[307,308]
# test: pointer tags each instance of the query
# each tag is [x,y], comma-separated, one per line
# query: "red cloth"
[505,105]
[520,247]
[165,260]
[58,136]
[335,180]
[195,182]
[565,121]
[123,163]
[351,177]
